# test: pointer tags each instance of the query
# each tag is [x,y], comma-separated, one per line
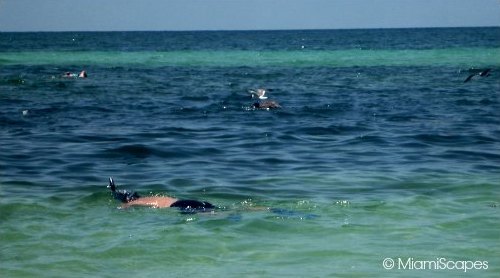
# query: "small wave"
[13,81]
[14,121]
[140,151]
[401,118]
[135,150]
[203,98]
[331,130]
[444,140]
[367,139]
[472,155]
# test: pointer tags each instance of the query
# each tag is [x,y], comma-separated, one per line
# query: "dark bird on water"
[478,72]
[268,104]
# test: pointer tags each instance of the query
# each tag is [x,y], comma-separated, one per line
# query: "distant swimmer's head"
[83,74]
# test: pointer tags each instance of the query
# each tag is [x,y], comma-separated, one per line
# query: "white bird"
[260,93]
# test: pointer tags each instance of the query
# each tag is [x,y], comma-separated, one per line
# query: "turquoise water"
[465,57]
[380,150]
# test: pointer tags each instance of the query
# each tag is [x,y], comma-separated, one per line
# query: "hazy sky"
[102,15]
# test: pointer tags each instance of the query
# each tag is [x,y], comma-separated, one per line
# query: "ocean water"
[380,152]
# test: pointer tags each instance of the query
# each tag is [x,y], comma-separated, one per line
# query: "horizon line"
[252,30]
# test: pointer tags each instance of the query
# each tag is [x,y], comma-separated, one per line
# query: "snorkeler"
[193,206]
[82,74]
[133,199]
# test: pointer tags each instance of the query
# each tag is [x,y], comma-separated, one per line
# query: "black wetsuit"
[192,206]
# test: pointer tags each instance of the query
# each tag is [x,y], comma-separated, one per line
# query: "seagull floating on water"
[260,93]
[478,72]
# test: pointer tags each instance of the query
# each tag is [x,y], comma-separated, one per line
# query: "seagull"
[260,93]
[479,72]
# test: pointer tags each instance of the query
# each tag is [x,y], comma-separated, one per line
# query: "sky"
[178,15]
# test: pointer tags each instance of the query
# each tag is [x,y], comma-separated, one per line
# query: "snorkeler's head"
[111,184]
[125,196]
[122,195]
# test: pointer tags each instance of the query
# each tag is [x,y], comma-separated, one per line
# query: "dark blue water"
[429,38]
[375,126]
